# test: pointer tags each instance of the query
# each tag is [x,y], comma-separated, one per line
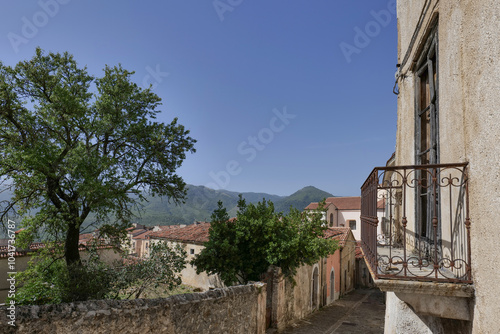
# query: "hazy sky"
[279,94]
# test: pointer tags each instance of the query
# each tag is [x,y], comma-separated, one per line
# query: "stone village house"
[137,238]
[440,266]
[191,237]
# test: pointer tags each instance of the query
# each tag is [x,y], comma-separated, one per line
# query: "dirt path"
[361,311]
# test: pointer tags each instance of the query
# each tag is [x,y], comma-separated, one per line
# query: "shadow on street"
[361,311]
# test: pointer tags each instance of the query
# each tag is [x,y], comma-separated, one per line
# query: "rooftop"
[341,234]
[196,233]
[345,203]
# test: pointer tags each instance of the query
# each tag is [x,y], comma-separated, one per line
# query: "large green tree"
[72,144]
[241,250]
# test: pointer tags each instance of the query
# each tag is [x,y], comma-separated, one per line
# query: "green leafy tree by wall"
[242,249]
[72,144]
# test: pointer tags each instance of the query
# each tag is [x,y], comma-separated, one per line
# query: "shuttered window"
[426,129]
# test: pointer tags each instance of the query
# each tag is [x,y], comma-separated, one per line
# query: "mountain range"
[202,201]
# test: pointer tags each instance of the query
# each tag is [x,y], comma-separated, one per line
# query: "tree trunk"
[71,253]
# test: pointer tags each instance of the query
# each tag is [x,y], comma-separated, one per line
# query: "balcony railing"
[425,232]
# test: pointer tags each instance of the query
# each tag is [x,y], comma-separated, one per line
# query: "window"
[331,219]
[352,224]
[426,131]
[191,251]
[332,284]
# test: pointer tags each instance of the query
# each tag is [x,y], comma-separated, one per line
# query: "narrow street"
[361,311]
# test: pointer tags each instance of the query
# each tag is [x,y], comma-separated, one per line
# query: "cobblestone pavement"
[361,311]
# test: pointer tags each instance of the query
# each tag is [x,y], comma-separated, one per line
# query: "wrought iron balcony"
[426,228]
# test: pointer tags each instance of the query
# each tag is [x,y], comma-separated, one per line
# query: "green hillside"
[301,199]
[202,201]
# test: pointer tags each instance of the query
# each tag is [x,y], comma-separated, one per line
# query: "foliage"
[72,144]
[43,283]
[47,279]
[240,250]
[161,291]
[161,268]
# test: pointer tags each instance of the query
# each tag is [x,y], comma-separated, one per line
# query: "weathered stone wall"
[292,301]
[239,309]
[289,301]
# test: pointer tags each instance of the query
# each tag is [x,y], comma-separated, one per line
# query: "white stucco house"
[346,212]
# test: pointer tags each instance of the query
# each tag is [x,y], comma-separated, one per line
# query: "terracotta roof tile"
[381,204]
[4,251]
[196,233]
[345,203]
[315,205]
[168,227]
[141,236]
[359,252]
[84,237]
[341,234]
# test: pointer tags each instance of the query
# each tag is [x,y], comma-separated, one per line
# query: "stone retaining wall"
[239,309]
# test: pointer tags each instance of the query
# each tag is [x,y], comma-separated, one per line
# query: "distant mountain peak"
[202,201]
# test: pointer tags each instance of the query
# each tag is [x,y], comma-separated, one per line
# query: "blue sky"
[279,94]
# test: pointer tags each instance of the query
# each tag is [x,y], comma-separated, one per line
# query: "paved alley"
[361,311]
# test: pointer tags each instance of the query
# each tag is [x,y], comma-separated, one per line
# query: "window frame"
[348,223]
[427,65]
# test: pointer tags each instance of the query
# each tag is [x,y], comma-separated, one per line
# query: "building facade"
[191,238]
[346,212]
[440,264]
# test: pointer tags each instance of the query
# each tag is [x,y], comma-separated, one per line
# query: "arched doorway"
[332,285]
[315,285]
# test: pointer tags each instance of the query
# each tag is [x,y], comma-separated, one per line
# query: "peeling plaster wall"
[469,123]
[399,318]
